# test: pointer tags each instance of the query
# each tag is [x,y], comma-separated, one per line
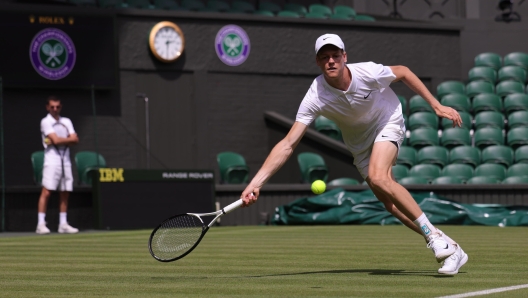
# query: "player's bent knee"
[381,182]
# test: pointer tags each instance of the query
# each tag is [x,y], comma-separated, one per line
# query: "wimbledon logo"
[52,54]
[232,45]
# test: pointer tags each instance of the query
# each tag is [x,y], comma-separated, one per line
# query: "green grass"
[257,261]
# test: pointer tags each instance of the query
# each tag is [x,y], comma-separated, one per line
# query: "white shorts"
[392,132]
[52,178]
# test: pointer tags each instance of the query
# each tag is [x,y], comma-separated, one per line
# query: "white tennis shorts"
[52,178]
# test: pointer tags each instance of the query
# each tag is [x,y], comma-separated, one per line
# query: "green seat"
[467,121]
[328,128]
[407,156]
[217,5]
[521,154]
[459,102]
[413,181]
[486,102]
[423,137]
[423,119]
[488,136]
[112,3]
[450,87]
[298,8]
[517,137]
[321,9]
[435,155]
[400,171]
[233,168]
[315,15]
[477,87]
[518,119]
[338,16]
[343,181]
[498,154]
[483,180]
[344,10]
[446,180]
[418,104]
[242,6]
[492,170]
[37,161]
[87,161]
[520,169]
[194,5]
[456,136]
[516,58]
[506,88]
[463,172]
[426,171]
[312,166]
[142,4]
[365,18]
[489,59]
[483,73]
[403,102]
[264,13]
[269,6]
[512,73]
[489,119]
[288,14]
[515,102]
[465,155]
[515,180]
[166,4]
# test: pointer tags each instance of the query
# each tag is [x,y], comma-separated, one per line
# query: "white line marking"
[486,292]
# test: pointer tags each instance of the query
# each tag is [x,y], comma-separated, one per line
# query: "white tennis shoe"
[453,263]
[440,247]
[42,229]
[67,229]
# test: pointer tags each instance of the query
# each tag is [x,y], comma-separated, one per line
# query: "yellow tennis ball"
[318,187]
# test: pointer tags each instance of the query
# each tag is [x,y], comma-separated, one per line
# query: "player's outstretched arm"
[277,157]
[405,75]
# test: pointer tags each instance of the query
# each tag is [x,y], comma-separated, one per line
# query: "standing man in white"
[358,98]
[57,135]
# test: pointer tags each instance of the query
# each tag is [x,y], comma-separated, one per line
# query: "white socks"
[425,226]
[62,216]
[41,218]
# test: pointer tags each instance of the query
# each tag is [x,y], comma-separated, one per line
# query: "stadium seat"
[37,161]
[497,154]
[459,102]
[465,155]
[491,170]
[321,9]
[264,13]
[403,102]
[167,4]
[520,169]
[217,5]
[85,162]
[460,171]
[407,156]
[366,18]
[486,102]
[467,121]
[328,128]
[312,166]
[483,73]
[418,104]
[505,88]
[400,171]
[142,4]
[515,180]
[516,58]
[269,6]
[298,8]
[450,87]
[512,73]
[423,137]
[446,180]
[112,3]
[426,171]
[489,59]
[521,154]
[435,155]
[517,137]
[194,5]
[233,168]
[412,181]
[489,119]
[242,6]
[488,136]
[343,181]
[477,87]
[288,14]
[515,102]
[315,15]
[518,119]
[453,137]
[344,10]
[423,119]
[483,180]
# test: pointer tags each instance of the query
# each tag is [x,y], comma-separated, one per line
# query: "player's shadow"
[369,271]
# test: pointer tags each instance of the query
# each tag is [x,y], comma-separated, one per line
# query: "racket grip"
[233,206]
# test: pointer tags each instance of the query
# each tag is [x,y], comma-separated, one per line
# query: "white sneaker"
[67,229]
[441,248]
[454,262]
[42,229]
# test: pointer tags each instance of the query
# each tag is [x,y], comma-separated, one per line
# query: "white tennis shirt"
[361,111]
[51,155]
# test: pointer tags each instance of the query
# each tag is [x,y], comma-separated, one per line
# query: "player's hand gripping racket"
[177,236]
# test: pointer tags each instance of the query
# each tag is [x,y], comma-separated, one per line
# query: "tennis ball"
[318,187]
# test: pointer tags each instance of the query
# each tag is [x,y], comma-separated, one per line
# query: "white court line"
[486,292]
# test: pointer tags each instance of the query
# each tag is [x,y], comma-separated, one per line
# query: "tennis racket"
[178,235]
[62,132]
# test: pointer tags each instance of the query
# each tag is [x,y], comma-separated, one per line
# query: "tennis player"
[57,173]
[359,99]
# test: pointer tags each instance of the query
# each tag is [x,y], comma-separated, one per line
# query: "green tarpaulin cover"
[345,207]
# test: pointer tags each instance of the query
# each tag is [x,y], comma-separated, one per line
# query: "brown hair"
[52,98]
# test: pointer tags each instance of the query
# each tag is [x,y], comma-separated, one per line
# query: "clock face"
[166,41]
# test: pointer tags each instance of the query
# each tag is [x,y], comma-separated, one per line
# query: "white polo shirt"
[362,111]
[51,155]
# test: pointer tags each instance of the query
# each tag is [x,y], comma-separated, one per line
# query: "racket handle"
[232,206]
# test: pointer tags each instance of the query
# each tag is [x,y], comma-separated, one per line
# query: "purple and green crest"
[52,53]
[232,45]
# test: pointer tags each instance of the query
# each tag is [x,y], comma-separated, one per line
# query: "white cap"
[328,38]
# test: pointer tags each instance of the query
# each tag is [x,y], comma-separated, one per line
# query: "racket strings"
[176,236]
